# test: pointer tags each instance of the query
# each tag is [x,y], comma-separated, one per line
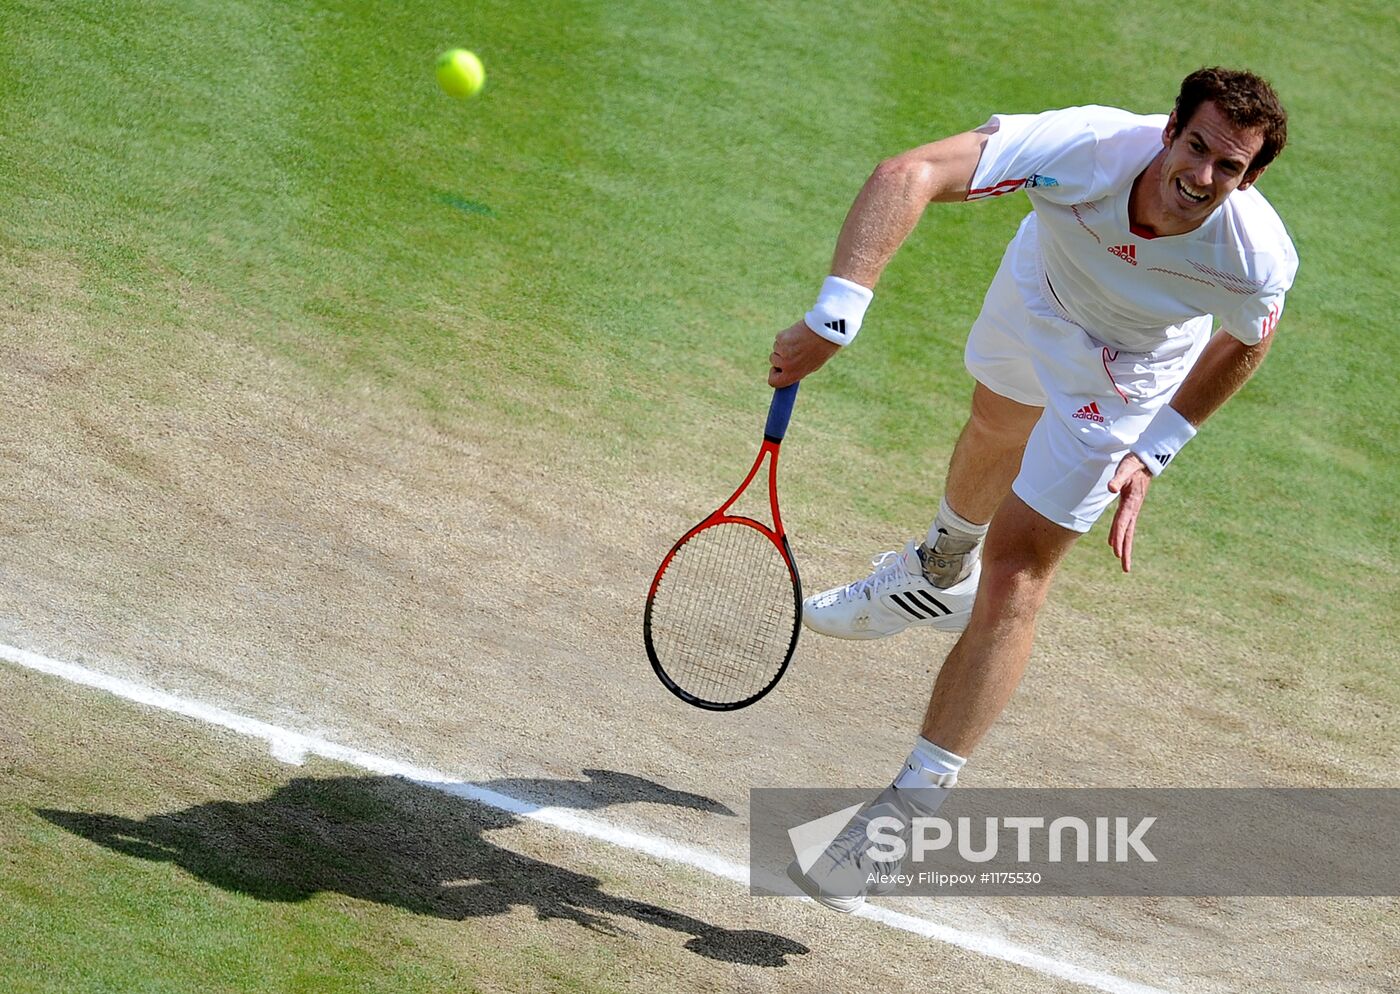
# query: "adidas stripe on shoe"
[895,596]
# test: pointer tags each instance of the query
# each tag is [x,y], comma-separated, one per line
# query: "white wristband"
[1164,437]
[839,310]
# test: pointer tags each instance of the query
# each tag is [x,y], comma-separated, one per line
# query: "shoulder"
[1067,155]
[1123,131]
[1090,124]
[1260,237]
[1113,122]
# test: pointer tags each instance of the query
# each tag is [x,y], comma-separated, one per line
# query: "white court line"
[293,747]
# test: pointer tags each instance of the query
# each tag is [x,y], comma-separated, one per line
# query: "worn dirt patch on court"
[192,512]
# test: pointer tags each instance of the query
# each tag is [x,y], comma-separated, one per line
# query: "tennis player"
[1096,361]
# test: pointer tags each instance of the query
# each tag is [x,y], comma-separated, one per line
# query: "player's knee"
[1016,582]
[998,422]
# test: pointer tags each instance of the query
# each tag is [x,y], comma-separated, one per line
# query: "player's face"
[1205,163]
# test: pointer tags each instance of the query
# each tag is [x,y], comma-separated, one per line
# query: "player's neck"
[1145,214]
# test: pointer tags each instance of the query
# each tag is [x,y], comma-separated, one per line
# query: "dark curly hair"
[1247,101]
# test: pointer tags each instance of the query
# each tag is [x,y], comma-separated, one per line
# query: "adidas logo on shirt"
[1089,412]
[1128,253]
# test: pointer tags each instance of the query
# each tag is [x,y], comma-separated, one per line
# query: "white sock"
[929,765]
[962,535]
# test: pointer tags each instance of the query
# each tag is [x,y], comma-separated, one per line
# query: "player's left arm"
[1224,366]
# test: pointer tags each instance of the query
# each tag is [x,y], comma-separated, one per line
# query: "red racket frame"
[776,535]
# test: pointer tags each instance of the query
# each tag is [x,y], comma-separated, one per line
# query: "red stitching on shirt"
[1229,281]
[1106,360]
[1267,326]
[1080,219]
[1005,186]
[1185,276]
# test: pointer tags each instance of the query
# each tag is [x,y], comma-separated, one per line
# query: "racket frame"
[776,535]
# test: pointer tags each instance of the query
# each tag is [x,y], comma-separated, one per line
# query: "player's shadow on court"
[601,789]
[392,841]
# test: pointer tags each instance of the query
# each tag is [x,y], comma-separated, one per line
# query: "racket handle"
[779,412]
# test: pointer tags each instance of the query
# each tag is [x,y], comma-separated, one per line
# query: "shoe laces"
[851,842]
[890,567]
[854,843]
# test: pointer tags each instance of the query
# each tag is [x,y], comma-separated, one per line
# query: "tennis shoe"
[850,869]
[895,596]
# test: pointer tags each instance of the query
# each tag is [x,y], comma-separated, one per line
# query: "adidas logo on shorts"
[1089,412]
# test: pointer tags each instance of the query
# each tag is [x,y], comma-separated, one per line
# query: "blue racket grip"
[780,412]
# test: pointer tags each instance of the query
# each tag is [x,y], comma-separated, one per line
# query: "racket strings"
[724,617]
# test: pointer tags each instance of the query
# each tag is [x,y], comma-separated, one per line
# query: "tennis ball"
[460,73]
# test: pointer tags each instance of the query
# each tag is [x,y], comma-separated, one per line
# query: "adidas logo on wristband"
[839,310]
[1162,439]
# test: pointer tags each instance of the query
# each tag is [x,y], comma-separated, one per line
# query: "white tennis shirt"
[1127,289]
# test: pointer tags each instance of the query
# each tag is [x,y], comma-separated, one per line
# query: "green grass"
[143,853]
[593,256]
[599,249]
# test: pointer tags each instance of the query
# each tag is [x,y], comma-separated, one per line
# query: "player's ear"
[1169,132]
[1251,177]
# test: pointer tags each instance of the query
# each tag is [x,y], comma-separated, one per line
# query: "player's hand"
[1130,483]
[796,353]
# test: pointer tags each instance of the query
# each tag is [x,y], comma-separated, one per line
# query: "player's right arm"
[885,211]
[893,199]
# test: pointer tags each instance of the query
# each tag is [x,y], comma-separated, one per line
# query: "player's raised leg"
[934,583]
[988,453]
[984,462]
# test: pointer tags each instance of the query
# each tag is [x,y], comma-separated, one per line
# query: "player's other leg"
[1023,550]
[933,583]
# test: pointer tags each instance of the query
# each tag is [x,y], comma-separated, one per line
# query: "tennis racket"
[725,607]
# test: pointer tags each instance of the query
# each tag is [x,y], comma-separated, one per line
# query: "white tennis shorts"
[1097,399]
